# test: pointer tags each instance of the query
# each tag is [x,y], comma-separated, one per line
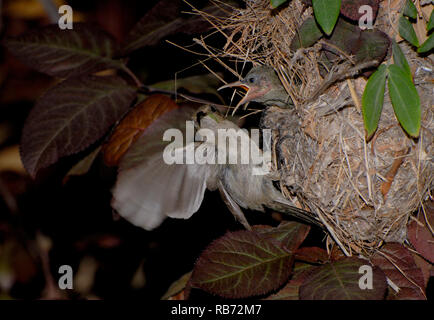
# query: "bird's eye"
[251,80]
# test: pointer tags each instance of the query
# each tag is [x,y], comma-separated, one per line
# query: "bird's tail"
[287,208]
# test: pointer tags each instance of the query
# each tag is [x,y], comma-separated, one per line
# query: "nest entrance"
[364,193]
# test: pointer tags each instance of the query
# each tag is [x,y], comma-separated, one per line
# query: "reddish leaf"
[420,236]
[70,117]
[65,53]
[340,281]
[242,264]
[133,125]
[291,234]
[411,284]
[312,255]
[291,290]
[350,8]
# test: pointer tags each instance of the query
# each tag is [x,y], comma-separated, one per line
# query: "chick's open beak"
[242,85]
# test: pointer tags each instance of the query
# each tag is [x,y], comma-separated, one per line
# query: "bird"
[263,86]
[148,189]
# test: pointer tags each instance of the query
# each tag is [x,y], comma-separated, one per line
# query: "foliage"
[99,101]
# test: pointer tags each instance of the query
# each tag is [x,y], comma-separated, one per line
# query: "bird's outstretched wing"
[147,189]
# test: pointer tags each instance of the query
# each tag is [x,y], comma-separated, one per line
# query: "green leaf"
[399,59]
[372,100]
[427,45]
[339,280]
[306,35]
[242,264]
[410,10]
[65,53]
[326,13]
[405,100]
[430,24]
[407,32]
[70,117]
[276,3]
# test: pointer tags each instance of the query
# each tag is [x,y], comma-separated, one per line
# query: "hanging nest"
[363,192]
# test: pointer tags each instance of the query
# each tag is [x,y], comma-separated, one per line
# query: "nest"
[363,192]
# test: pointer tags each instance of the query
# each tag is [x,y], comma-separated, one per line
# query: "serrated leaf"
[291,290]
[166,19]
[307,34]
[350,8]
[427,45]
[372,100]
[406,31]
[409,280]
[276,3]
[242,264]
[65,53]
[430,24]
[340,281]
[290,234]
[326,13]
[70,117]
[132,126]
[410,9]
[420,236]
[405,100]
[399,59]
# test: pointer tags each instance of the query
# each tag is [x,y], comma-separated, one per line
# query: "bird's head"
[263,86]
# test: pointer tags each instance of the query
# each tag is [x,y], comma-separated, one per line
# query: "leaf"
[133,125]
[276,3]
[350,8]
[166,19]
[427,45]
[83,166]
[410,281]
[242,264]
[345,36]
[372,45]
[421,237]
[206,83]
[326,13]
[410,9]
[291,290]
[70,117]
[65,53]
[307,34]
[405,100]
[406,31]
[290,234]
[312,255]
[430,24]
[177,286]
[399,59]
[340,281]
[372,100]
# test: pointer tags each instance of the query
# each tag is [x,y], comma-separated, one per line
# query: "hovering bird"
[263,86]
[148,189]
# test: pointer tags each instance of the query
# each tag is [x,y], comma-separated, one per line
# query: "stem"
[136,80]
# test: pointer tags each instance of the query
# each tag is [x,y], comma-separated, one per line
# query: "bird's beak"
[242,85]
